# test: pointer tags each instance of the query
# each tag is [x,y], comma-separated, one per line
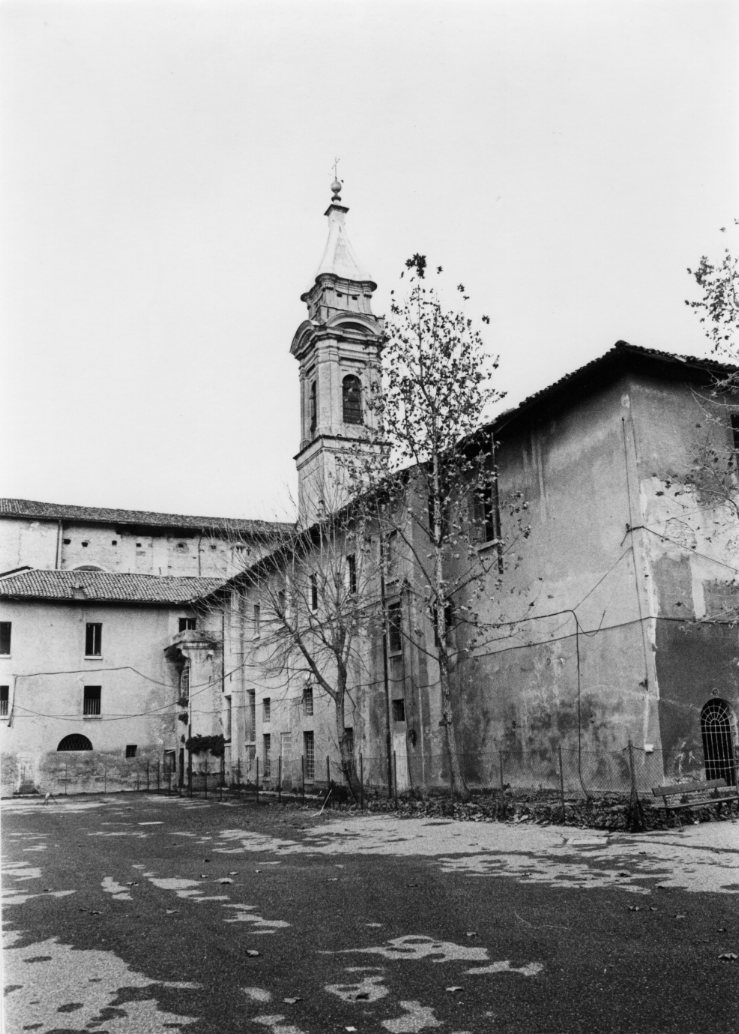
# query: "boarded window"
[309,753]
[351,394]
[5,629]
[93,639]
[91,702]
[4,700]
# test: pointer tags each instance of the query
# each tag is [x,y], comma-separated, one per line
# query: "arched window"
[313,405]
[75,742]
[351,394]
[718,741]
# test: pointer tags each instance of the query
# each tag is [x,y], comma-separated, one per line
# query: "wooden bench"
[695,794]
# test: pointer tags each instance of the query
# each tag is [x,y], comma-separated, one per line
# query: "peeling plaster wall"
[47,672]
[691,539]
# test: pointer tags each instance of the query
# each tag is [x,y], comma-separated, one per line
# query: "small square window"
[398,710]
[5,629]
[130,750]
[91,702]
[93,639]
[187,624]
[4,701]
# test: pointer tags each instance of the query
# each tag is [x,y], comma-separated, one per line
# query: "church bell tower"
[338,348]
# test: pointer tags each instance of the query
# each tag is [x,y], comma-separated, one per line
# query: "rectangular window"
[398,710]
[395,628]
[4,701]
[187,624]
[351,573]
[130,750]
[308,700]
[93,639]
[349,734]
[266,709]
[735,431]
[267,755]
[251,716]
[185,684]
[227,718]
[91,702]
[309,753]
[257,619]
[5,628]
[314,592]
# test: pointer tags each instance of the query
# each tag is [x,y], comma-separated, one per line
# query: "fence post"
[361,781]
[238,771]
[189,773]
[279,778]
[148,785]
[328,772]
[561,781]
[138,780]
[257,784]
[206,775]
[159,778]
[302,777]
[635,814]
[66,778]
[502,779]
[395,778]
[105,778]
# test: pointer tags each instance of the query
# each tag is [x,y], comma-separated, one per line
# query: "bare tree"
[433,478]
[312,604]
[718,308]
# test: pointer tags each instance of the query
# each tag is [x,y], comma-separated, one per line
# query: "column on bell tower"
[338,348]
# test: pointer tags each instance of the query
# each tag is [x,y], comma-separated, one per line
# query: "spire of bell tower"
[338,348]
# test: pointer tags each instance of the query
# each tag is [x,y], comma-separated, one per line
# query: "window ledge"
[91,717]
[481,547]
[93,657]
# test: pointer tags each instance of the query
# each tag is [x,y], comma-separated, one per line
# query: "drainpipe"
[386,666]
[59,534]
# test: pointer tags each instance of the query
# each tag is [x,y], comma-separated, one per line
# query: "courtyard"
[138,913]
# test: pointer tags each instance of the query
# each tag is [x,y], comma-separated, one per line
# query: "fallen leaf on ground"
[253,953]
[728,956]
[225,880]
[292,1001]
[454,988]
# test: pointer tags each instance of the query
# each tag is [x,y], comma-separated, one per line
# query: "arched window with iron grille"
[351,395]
[718,741]
[75,741]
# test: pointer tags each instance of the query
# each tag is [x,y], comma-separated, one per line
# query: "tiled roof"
[620,355]
[101,587]
[140,518]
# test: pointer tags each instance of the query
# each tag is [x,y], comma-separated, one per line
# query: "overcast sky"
[165,169]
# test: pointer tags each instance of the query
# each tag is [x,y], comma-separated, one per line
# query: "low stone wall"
[89,771]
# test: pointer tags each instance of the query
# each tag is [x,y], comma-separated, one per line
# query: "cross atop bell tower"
[338,348]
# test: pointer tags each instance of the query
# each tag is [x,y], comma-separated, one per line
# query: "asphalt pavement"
[137,913]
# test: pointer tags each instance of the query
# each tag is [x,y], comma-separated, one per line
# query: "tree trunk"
[458,785]
[348,766]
